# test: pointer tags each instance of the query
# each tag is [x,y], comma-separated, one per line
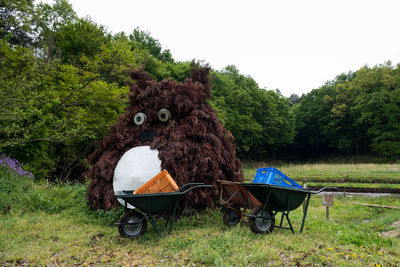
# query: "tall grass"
[51,224]
[366,172]
[351,237]
[21,194]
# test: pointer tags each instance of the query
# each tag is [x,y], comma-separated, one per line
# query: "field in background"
[363,173]
[51,224]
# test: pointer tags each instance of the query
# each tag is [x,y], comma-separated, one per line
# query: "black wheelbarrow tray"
[133,223]
[264,202]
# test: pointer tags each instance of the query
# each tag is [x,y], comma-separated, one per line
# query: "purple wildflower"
[13,165]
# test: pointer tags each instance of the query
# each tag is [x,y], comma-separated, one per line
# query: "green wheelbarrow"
[264,202]
[133,223]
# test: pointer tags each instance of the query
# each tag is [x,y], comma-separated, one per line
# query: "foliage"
[83,38]
[48,109]
[20,194]
[63,94]
[143,40]
[377,107]
[63,81]
[312,115]
[16,21]
[49,20]
[14,181]
[294,99]
[357,112]
[12,165]
[260,120]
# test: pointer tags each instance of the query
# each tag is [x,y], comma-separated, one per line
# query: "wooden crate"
[161,183]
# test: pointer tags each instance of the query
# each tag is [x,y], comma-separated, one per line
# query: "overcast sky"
[294,46]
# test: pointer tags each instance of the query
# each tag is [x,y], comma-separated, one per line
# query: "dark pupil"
[138,119]
[163,116]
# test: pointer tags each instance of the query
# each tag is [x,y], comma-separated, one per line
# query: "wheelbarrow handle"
[197,186]
[324,188]
[189,184]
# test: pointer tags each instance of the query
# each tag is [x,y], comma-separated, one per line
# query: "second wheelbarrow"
[133,223]
[264,202]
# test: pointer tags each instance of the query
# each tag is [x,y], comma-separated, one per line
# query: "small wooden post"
[304,203]
[327,201]
[327,213]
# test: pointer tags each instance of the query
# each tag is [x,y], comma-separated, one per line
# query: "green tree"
[312,115]
[294,99]
[115,59]
[356,112]
[16,21]
[77,40]
[260,120]
[50,19]
[377,107]
[143,40]
[51,113]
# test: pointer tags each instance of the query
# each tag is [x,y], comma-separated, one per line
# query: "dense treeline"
[261,121]
[355,113]
[64,82]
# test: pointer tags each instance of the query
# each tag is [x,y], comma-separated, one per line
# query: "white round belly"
[135,168]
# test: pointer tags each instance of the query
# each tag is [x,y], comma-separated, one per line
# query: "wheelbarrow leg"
[305,213]
[173,215]
[167,222]
[248,200]
[126,207]
[280,224]
[267,199]
[286,213]
[154,224]
[290,224]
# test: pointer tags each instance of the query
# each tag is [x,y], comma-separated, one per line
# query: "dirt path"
[393,233]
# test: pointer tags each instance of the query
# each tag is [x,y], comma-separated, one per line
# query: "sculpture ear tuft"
[200,74]
[141,77]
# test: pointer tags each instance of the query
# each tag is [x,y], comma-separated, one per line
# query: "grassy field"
[50,224]
[324,172]
[361,185]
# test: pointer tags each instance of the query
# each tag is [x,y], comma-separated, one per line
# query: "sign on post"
[327,201]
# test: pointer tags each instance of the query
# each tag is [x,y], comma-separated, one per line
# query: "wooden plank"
[374,205]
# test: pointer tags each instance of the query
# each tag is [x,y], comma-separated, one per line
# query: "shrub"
[14,182]
[13,166]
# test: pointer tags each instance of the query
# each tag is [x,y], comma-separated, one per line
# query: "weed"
[13,166]
[52,224]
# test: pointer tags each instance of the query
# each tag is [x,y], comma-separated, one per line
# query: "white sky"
[294,46]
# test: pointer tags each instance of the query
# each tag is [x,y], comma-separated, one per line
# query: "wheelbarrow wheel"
[134,224]
[262,222]
[231,215]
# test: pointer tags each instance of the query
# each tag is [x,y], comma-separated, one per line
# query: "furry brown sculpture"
[192,144]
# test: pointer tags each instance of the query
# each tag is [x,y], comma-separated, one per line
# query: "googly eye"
[164,115]
[139,118]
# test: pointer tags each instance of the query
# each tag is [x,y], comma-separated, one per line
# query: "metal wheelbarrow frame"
[133,223]
[264,202]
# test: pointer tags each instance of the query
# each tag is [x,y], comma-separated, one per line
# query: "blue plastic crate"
[274,177]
